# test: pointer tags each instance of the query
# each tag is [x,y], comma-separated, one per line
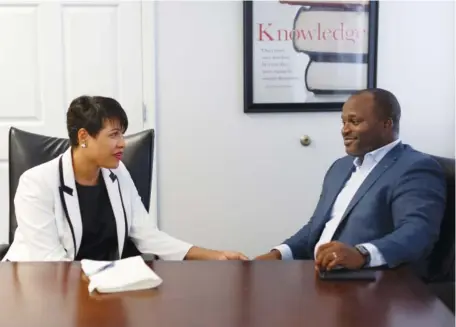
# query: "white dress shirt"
[362,170]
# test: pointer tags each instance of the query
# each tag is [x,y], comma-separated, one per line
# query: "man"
[380,205]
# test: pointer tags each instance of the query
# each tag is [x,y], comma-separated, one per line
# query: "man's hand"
[273,255]
[335,253]
[197,253]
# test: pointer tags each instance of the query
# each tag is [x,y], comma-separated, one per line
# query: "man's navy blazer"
[398,208]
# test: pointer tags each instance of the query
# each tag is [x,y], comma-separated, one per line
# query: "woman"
[84,204]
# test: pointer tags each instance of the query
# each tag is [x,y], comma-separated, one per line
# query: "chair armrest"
[445,292]
[149,257]
[3,249]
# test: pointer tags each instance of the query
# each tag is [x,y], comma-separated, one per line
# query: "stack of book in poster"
[335,35]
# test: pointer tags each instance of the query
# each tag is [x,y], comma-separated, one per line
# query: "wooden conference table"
[217,294]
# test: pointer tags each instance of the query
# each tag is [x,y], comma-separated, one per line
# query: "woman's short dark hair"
[91,113]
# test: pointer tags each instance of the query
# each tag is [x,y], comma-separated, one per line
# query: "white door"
[54,51]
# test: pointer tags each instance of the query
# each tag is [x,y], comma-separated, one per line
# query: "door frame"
[148,18]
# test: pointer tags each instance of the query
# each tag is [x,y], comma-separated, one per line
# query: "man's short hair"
[386,105]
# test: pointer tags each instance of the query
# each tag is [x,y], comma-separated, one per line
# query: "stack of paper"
[129,274]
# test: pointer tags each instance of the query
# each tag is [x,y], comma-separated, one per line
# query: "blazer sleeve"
[418,205]
[145,233]
[34,206]
[299,243]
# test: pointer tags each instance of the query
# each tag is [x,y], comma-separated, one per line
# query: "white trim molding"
[148,17]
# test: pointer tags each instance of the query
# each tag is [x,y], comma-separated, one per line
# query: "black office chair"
[442,263]
[27,150]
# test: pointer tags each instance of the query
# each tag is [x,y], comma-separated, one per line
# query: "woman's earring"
[83,145]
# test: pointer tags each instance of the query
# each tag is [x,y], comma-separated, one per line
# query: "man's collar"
[376,155]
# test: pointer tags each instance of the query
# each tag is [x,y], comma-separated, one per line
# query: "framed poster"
[306,56]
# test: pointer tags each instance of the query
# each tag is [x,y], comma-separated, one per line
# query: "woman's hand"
[197,253]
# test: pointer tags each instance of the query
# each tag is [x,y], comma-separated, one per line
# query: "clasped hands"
[197,253]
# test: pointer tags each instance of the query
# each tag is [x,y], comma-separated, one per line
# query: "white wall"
[417,62]
[230,180]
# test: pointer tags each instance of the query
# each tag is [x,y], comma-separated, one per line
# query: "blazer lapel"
[336,185]
[70,199]
[112,185]
[379,169]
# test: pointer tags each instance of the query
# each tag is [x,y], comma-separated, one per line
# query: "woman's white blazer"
[49,218]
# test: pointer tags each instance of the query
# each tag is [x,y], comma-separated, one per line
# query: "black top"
[99,229]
